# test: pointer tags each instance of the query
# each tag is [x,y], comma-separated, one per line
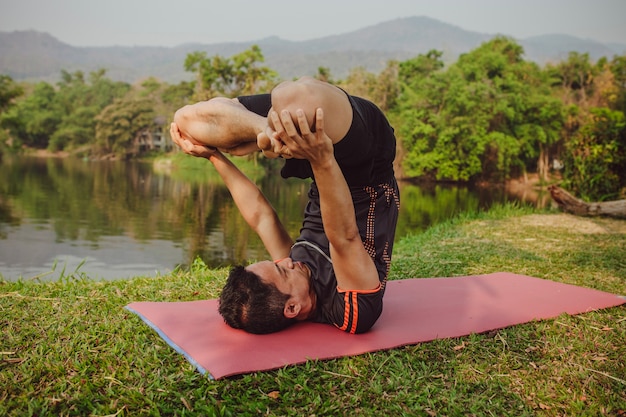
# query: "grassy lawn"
[70,348]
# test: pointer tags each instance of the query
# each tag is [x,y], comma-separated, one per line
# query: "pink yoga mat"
[415,310]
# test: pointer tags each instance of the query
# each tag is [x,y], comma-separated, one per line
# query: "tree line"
[489,116]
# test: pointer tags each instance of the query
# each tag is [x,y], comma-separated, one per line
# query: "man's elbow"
[345,237]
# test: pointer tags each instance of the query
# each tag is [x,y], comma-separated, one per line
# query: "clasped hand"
[189,147]
[283,138]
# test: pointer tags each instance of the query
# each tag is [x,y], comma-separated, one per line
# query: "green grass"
[70,348]
[198,170]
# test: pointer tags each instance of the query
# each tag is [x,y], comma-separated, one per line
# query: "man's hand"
[271,145]
[301,143]
[190,147]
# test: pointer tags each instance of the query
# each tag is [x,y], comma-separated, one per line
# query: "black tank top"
[365,155]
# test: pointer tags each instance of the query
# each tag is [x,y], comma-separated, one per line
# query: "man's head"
[249,304]
[267,296]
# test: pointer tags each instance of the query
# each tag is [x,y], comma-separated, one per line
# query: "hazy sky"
[169,23]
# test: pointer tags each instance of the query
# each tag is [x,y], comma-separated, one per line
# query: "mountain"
[31,55]
[556,47]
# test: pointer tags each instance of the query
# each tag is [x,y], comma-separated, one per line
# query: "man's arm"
[354,268]
[252,204]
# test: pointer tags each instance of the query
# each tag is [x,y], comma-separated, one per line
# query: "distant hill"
[553,48]
[30,55]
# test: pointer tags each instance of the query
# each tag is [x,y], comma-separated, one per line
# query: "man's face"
[289,277]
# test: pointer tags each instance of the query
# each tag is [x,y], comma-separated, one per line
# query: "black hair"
[249,304]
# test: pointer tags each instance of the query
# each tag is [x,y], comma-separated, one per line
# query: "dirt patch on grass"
[575,224]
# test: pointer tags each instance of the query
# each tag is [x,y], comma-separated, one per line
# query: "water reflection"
[121,219]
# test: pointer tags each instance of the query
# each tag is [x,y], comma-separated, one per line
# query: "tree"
[9,91]
[421,86]
[80,101]
[31,121]
[575,77]
[595,164]
[121,125]
[618,69]
[381,89]
[594,151]
[249,76]
[489,115]
[237,75]
[178,95]
[75,128]
[323,74]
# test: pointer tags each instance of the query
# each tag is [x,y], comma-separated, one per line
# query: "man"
[336,270]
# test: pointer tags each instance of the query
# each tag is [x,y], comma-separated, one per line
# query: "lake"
[113,220]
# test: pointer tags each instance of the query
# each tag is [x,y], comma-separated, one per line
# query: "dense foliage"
[239,75]
[8,91]
[594,140]
[489,116]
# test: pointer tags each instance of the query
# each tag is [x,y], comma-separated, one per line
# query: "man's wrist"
[215,157]
[324,165]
